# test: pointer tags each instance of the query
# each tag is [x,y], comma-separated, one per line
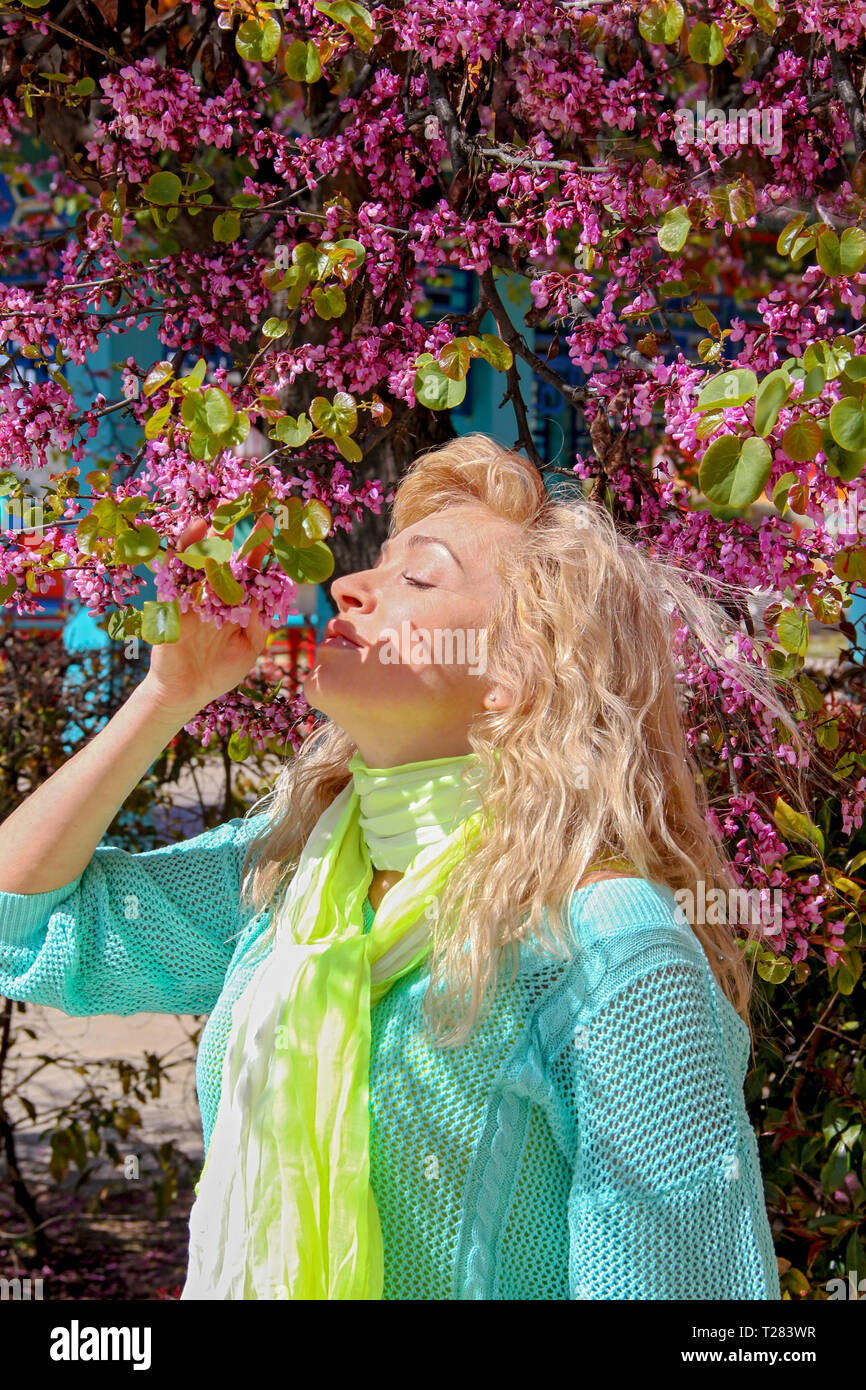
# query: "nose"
[353,591]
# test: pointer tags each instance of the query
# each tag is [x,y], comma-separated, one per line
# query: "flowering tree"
[277,183]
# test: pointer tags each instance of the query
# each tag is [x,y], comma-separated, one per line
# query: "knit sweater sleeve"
[153,931]
[666,1198]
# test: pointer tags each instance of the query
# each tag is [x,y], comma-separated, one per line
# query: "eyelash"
[419,584]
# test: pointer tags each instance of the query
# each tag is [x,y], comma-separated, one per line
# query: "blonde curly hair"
[583,632]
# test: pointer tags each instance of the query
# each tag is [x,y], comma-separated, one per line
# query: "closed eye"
[418,583]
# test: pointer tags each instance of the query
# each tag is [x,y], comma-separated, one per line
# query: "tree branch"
[844,88]
[572,394]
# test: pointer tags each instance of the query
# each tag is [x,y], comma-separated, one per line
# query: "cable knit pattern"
[589,1141]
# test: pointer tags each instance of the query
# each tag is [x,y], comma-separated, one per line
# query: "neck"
[402,746]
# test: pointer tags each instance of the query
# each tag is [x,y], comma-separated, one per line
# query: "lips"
[340,635]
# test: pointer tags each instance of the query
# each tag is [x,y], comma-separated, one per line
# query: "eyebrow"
[416,540]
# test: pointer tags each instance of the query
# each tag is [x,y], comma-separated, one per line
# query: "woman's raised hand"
[206,661]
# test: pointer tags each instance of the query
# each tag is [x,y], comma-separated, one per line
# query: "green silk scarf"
[284,1207]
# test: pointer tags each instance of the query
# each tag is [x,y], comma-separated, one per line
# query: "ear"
[498,697]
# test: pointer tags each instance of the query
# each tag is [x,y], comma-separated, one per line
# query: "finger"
[256,557]
[193,531]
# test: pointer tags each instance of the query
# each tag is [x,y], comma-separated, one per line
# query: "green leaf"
[789,232]
[193,380]
[330,303]
[773,392]
[674,231]
[828,252]
[813,383]
[828,734]
[794,825]
[258,42]
[706,44]
[316,520]
[336,417]
[359,252]
[219,413]
[227,226]
[734,201]
[661,21]
[492,349]
[802,439]
[210,549]
[734,472]
[349,448]
[258,536]
[8,587]
[772,968]
[793,630]
[313,261]
[728,389]
[160,622]
[135,546]
[454,359]
[163,188]
[192,411]
[302,61]
[292,432]
[154,426]
[159,374]
[433,388]
[239,745]
[275,328]
[309,565]
[354,17]
[848,424]
[766,12]
[230,513]
[291,516]
[852,250]
[812,697]
[223,582]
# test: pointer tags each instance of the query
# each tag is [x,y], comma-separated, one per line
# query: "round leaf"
[734,472]
[219,413]
[728,389]
[793,630]
[773,391]
[661,21]
[223,582]
[706,44]
[163,188]
[674,231]
[227,227]
[848,424]
[802,439]
[433,388]
[302,61]
[135,546]
[258,42]
[852,250]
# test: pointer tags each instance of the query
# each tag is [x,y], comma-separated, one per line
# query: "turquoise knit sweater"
[590,1141]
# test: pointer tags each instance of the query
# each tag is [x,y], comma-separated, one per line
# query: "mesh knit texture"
[589,1141]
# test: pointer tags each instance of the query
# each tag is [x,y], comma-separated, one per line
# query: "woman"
[502,765]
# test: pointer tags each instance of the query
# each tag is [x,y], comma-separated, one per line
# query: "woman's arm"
[50,838]
[151,932]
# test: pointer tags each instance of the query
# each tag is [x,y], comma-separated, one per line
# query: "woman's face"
[410,686]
